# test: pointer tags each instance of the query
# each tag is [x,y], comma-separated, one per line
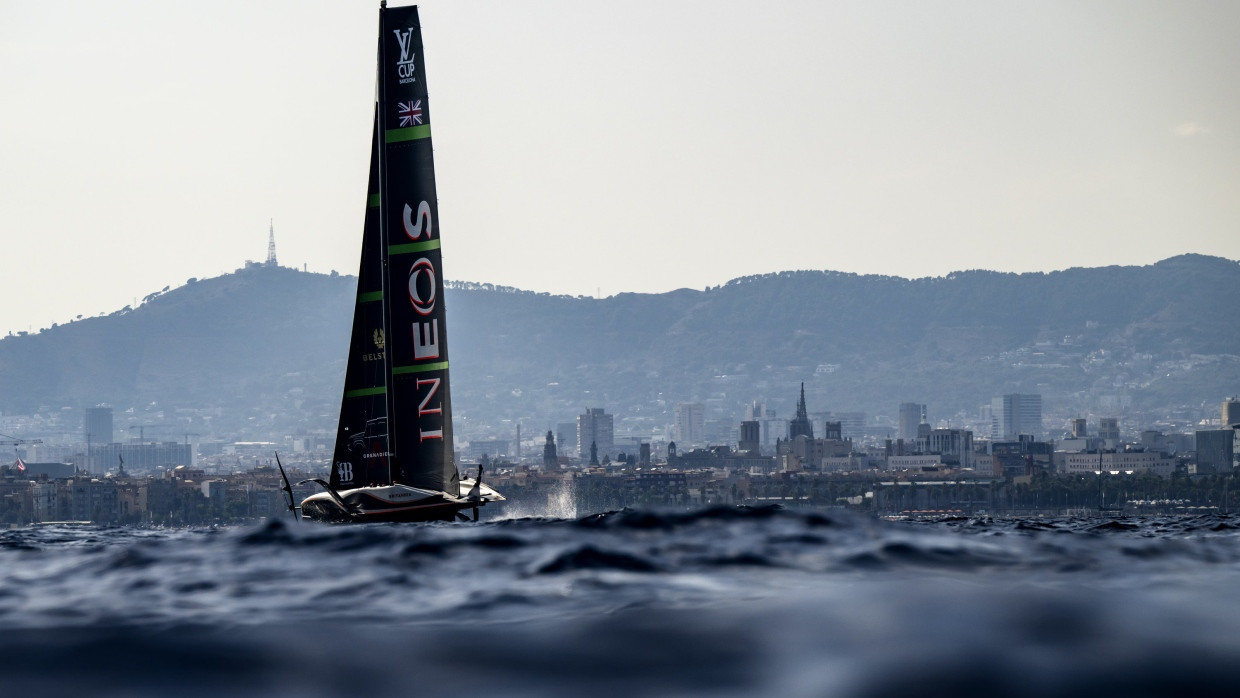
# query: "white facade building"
[1137,462]
[916,462]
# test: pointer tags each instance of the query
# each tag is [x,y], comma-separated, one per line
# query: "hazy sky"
[586,147]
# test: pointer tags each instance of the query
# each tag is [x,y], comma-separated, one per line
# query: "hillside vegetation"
[268,343]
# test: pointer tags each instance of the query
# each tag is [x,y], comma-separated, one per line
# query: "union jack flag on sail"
[20,465]
[410,113]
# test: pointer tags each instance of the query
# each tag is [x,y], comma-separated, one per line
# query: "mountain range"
[261,351]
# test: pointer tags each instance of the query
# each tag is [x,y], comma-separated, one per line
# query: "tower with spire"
[550,460]
[271,243]
[800,425]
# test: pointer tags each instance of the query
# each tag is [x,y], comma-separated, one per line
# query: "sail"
[361,456]
[416,345]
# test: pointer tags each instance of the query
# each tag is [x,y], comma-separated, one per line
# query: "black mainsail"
[393,458]
[361,457]
[416,344]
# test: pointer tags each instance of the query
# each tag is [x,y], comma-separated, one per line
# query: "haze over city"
[585,148]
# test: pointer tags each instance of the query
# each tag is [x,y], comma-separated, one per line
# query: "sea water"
[710,602]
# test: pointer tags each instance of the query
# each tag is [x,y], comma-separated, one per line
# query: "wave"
[711,601]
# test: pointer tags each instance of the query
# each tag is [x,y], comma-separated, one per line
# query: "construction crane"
[142,430]
[15,442]
[188,434]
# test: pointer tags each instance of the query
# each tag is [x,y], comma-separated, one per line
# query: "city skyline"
[858,137]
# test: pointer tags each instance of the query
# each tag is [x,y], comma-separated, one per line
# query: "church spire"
[801,426]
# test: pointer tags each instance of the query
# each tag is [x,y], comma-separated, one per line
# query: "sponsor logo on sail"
[422,269]
[345,469]
[404,66]
[423,287]
[377,338]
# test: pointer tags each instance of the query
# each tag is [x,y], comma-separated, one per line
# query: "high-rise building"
[1108,429]
[1079,428]
[1231,411]
[800,425]
[690,427]
[98,426]
[1015,414]
[595,427]
[911,414]
[755,411]
[751,437]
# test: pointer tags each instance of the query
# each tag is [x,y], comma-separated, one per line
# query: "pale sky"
[589,147]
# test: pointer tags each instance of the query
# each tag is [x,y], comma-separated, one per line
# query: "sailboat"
[393,458]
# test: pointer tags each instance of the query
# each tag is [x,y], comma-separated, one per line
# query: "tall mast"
[383,237]
[419,411]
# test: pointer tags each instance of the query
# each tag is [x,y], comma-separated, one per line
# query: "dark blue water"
[716,602]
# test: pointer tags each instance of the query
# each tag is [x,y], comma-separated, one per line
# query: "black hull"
[330,512]
[391,504]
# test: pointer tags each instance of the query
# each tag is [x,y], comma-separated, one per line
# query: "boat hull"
[394,504]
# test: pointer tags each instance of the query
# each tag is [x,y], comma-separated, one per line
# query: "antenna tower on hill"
[271,243]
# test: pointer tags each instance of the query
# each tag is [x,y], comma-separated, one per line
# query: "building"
[1216,451]
[143,457]
[955,446]
[852,424]
[52,471]
[718,457]
[755,411]
[491,448]
[1079,439]
[550,460]
[1120,462]
[1022,456]
[751,437]
[597,428]
[1015,414]
[914,462]
[566,438]
[800,425]
[911,414]
[1231,411]
[86,499]
[690,426]
[773,430]
[97,426]
[810,452]
[1108,430]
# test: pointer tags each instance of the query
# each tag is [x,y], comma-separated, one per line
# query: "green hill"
[263,348]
